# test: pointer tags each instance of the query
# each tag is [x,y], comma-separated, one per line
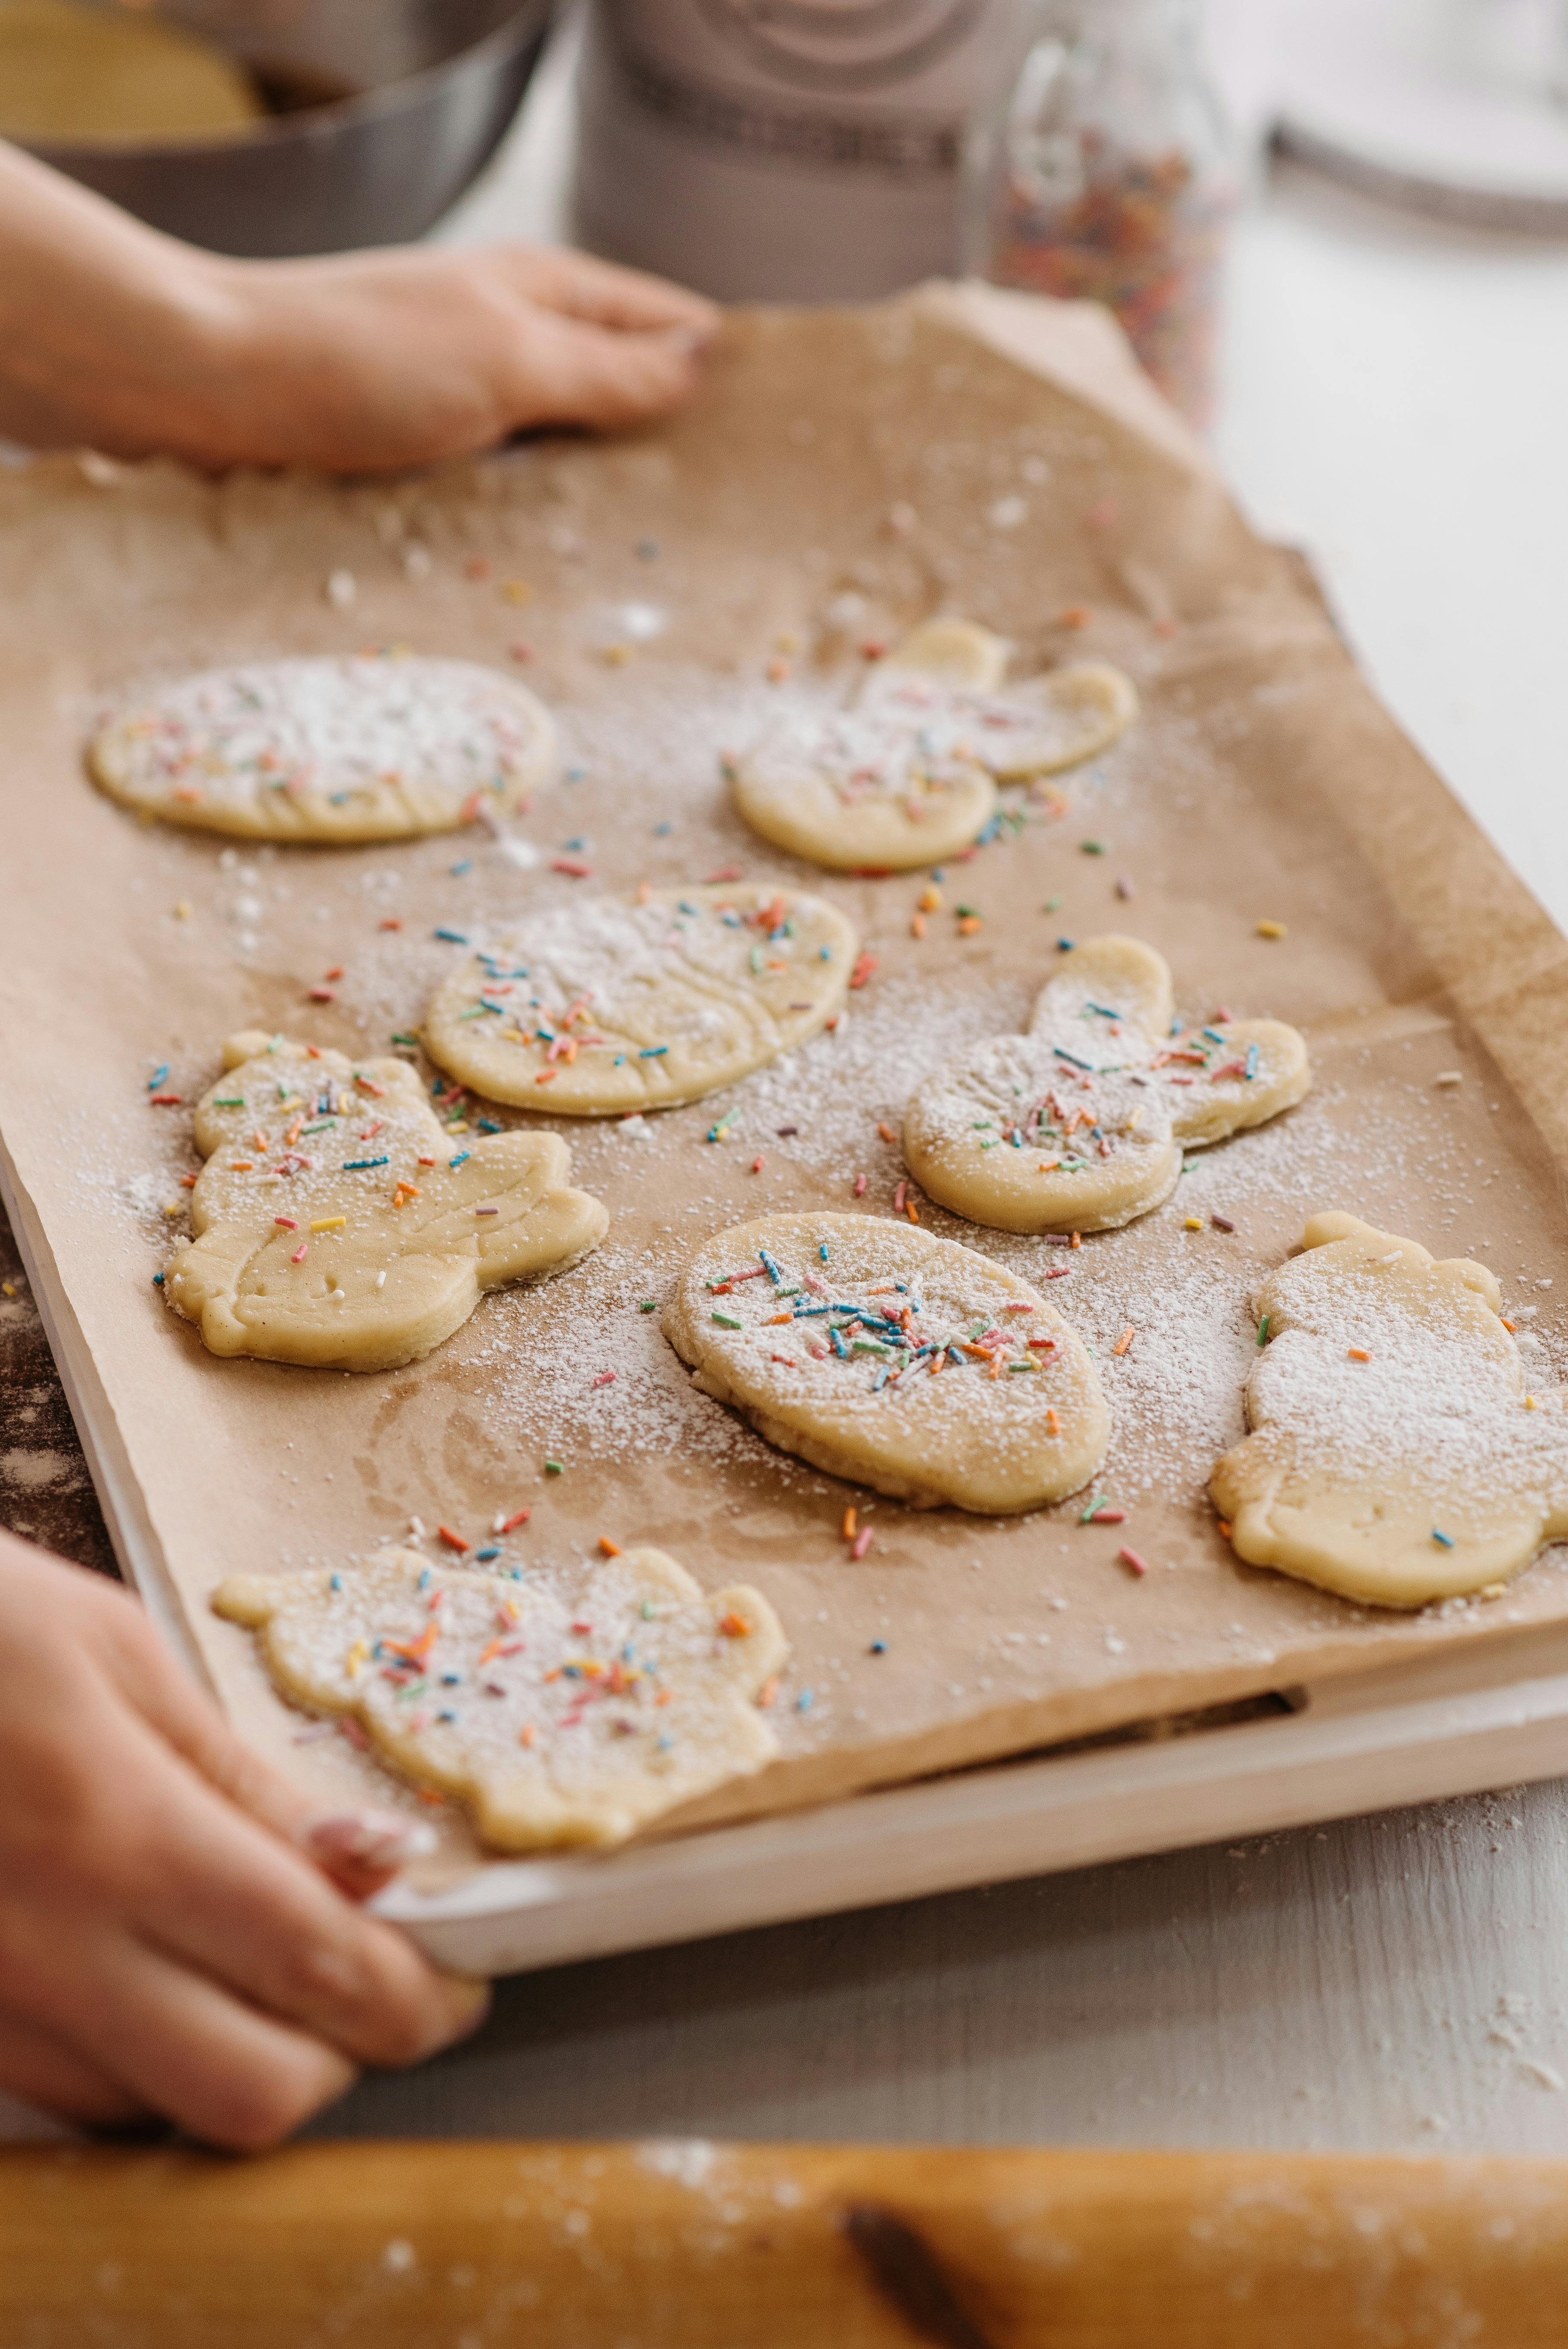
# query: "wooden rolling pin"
[681,2244]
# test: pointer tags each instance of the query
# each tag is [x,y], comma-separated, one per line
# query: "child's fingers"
[44,2072]
[565,372]
[603,293]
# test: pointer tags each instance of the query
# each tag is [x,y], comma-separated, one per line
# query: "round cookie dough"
[1396,1455]
[897,1359]
[597,1007]
[335,1225]
[555,1713]
[358,748]
[951,668]
[1081,1124]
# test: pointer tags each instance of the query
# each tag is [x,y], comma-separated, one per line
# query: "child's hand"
[118,339]
[167,1946]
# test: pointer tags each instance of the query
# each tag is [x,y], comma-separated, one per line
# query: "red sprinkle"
[726,873]
[1223,1223]
[863,969]
[1109,1517]
[757,1166]
[605,1379]
[860,1187]
[323,995]
[1130,1557]
[286,1222]
[452,1541]
[392,922]
[862,1542]
[164,1100]
[518,1517]
[572,864]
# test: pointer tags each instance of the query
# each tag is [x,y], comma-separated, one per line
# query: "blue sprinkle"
[154,1081]
[838,1346]
[1071,1058]
[953,1354]
[576,774]
[464,865]
[938,873]
[1213,1035]
[879,1647]
[1065,945]
[573,846]
[452,937]
[493,1551]
[424,1581]
[452,1680]
[458,1159]
[1104,1010]
[158,1280]
[336,1583]
[662,830]
[620,1060]
[648,550]
[770,1267]
[1176,1027]
[805,1701]
[489,1125]
[653,1051]
[1444,1541]
[359,1165]
[1251,1067]
[446,1714]
[821,1251]
[825,954]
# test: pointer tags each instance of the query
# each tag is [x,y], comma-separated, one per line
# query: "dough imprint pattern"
[598,1007]
[555,1716]
[889,1357]
[1396,1457]
[335,1225]
[1080,1126]
[366,746]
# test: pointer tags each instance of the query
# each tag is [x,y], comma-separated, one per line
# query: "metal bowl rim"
[276,130]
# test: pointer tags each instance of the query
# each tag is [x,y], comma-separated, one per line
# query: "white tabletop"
[1396,396]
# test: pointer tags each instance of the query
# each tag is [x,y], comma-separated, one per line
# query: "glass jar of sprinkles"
[1104,170]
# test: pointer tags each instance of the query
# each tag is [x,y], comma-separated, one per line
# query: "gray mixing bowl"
[388,110]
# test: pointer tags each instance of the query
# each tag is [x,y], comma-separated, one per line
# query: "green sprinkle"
[1024,1366]
[402,1038]
[648,1305]
[726,1321]
[646,1610]
[554,1468]
[228,1101]
[1052,905]
[1444,1541]
[1263,1330]
[967,913]
[1091,848]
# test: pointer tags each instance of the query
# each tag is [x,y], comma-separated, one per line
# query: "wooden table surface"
[1393,1981]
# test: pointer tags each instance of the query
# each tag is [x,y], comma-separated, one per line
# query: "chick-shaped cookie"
[1080,1126]
[909,773]
[337,1224]
[1396,1455]
[885,1355]
[554,1710]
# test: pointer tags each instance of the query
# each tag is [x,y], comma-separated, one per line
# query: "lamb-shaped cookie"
[337,1224]
[909,774]
[598,1007]
[1396,1457]
[1080,1126]
[888,1356]
[555,1713]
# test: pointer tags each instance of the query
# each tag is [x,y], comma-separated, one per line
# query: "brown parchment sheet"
[844,475]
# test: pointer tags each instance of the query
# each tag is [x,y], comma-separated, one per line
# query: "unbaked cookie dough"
[908,775]
[94,74]
[364,747]
[1396,1457]
[1080,1126]
[597,1006]
[554,1714]
[337,1224]
[899,1361]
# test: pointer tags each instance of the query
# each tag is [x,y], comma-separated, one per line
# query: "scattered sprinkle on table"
[1271,929]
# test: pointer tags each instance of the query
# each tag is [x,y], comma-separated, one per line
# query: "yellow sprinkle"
[1271,929]
[184,910]
[172,1208]
[1492,1591]
[516,591]
[1192,1224]
[616,656]
[1530,1402]
[7,1289]
[356,1657]
[931,900]
[328,1223]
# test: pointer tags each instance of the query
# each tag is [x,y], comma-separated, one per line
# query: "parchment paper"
[844,475]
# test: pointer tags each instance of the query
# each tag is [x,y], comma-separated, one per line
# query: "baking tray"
[845,472]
